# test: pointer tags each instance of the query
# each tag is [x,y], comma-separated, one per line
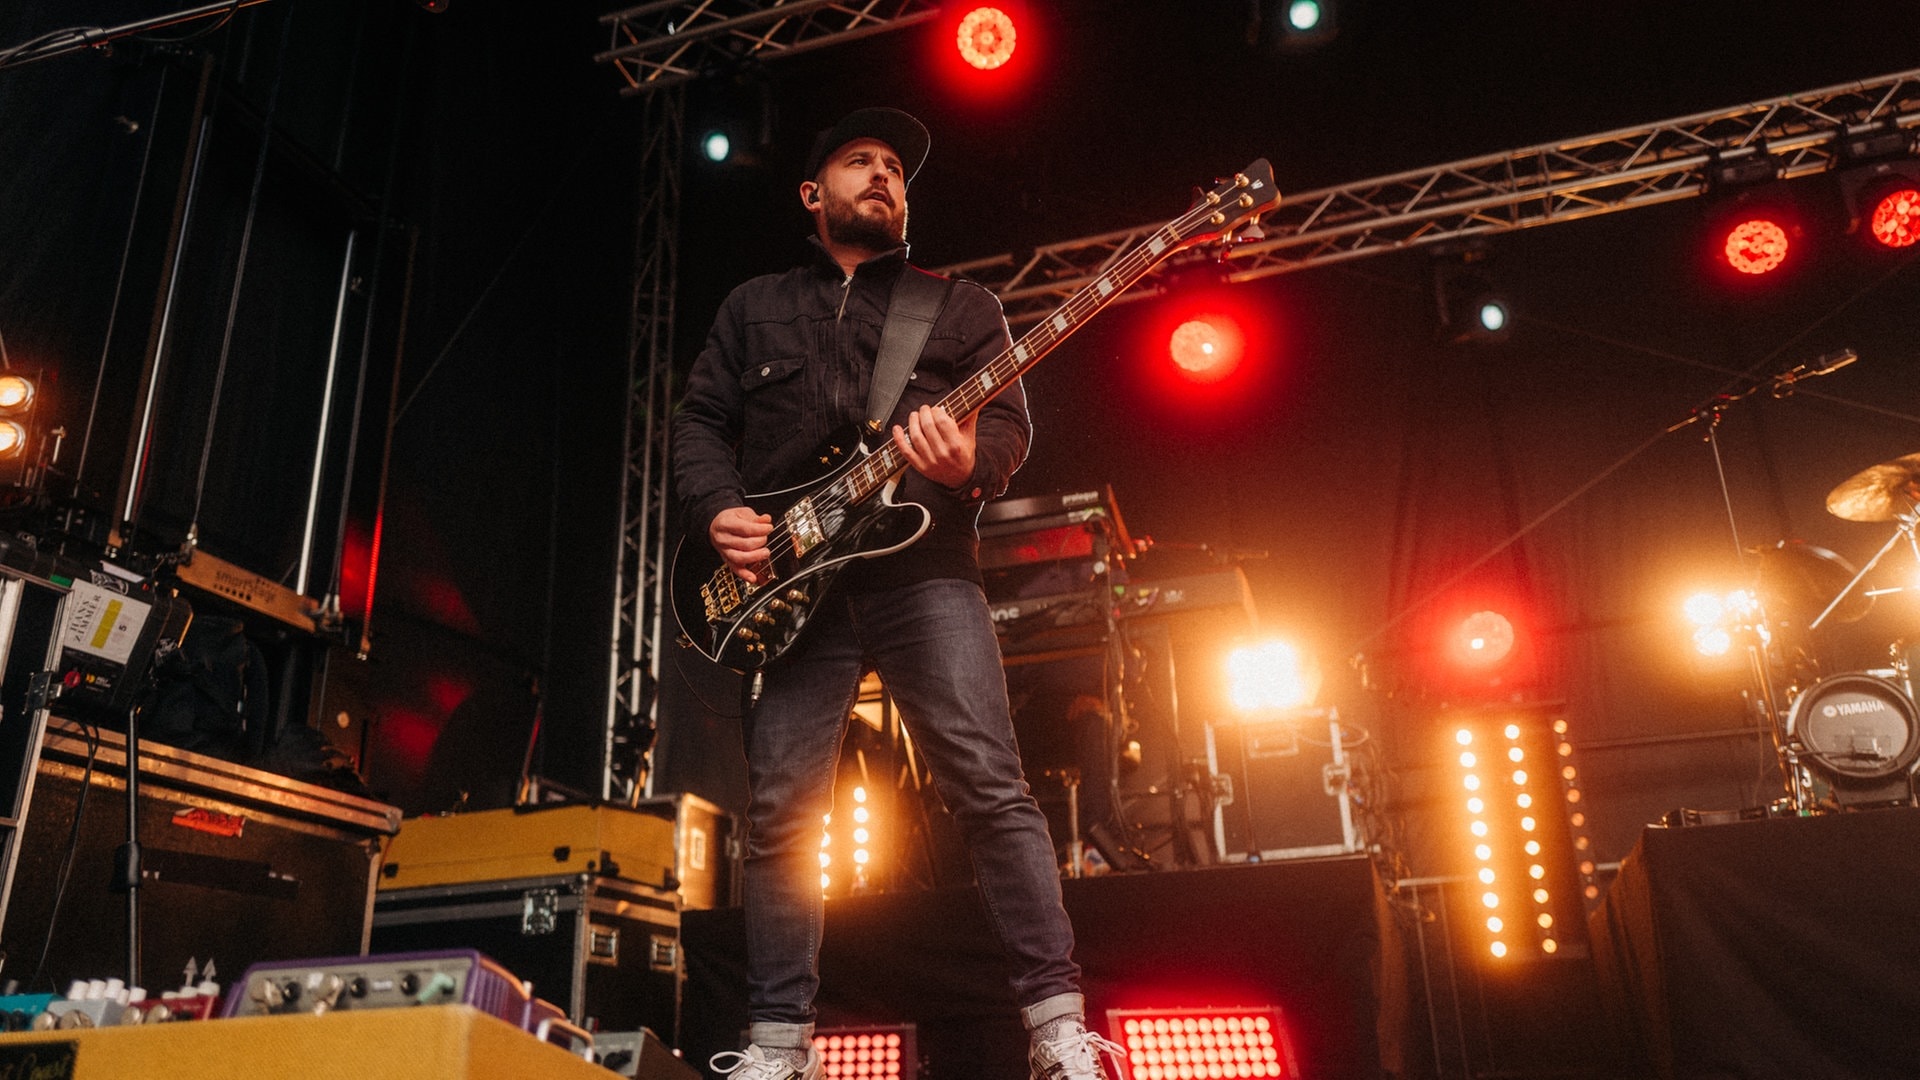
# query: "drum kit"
[1848,738]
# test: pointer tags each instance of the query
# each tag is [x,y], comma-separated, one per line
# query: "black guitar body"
[849,513]
[816,532]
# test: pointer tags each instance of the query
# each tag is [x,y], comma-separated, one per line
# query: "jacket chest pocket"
[774,391]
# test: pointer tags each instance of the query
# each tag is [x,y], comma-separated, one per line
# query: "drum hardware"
[1860,732]
[1857,732]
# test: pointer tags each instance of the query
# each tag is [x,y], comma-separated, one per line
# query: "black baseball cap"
[907,136]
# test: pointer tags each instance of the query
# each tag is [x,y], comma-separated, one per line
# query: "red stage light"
[1896,218]
[1482,639]
[882,1053]
[987,38]
[1178,1044]
[1756,246]
[1207,347]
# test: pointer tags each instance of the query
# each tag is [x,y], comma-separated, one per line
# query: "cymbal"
[1884,492]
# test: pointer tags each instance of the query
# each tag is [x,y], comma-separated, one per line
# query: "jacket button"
[765,371]
[976,493]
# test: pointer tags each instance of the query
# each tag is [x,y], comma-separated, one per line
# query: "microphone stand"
[1780,385]
[126,858]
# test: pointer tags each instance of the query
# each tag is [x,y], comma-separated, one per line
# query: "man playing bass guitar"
[789,362]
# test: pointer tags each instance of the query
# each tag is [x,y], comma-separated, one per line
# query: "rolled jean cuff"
[771,1036]
[1054,1008]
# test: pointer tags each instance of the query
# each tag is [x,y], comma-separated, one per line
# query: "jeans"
[934,647]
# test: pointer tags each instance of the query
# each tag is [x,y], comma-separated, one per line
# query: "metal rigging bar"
[1517,189]
[639,578]
[668,42]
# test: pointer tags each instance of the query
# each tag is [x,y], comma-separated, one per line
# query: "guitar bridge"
[803,525]
[720,595]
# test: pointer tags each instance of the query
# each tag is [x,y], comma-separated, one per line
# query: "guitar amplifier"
[239,865]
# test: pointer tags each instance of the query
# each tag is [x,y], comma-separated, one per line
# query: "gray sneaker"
[753,1065]
[1074,1055]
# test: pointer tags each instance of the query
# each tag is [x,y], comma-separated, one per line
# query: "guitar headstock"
[1234,204]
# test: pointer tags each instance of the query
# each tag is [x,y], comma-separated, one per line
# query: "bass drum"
[1856,729]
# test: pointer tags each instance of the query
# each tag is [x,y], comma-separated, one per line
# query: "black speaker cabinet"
[239,865]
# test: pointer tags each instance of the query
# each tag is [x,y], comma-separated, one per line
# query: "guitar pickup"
[803,526]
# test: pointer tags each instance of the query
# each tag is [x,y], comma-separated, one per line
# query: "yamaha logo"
[1854,708]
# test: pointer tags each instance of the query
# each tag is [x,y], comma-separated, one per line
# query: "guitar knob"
[798,596]
[744,634]
[761,618]
[779,606]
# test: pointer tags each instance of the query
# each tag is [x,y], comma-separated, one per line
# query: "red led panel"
[1202,1044]
[872,1052]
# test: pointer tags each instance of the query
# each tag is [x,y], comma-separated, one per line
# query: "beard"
[848,225]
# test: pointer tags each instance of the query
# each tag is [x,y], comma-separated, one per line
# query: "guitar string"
[1049,333]
[883,464]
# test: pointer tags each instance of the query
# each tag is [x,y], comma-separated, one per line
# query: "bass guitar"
[849,512]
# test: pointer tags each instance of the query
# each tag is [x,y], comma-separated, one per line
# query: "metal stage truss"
[670,42]
[640,575]
[659,46]
[1579,178]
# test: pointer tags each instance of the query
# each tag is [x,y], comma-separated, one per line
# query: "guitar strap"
[918,298]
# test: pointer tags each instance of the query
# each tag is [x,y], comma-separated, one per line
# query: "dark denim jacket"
[788,363]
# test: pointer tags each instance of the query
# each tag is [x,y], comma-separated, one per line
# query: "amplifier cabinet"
[706,849]
[1290,796]
[606,949]
[238,865]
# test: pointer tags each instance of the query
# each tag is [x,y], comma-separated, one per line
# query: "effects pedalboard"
[403,980]
[110,1002]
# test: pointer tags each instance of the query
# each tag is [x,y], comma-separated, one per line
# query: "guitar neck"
[1218,213]
[1002,371]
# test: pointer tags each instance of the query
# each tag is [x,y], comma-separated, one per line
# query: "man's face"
[860,196]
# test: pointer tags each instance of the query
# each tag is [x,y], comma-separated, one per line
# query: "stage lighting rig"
[1466,302]
[1880,183]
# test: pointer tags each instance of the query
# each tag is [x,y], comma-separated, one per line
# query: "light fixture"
[1272,676]
[1293,25]
[1741,166]
[715,146]
[16,393]
[986,38]
[1481,640]
[1469,306]
[1756,245]
[1528,889]
[889,1052]
[1193,1044]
